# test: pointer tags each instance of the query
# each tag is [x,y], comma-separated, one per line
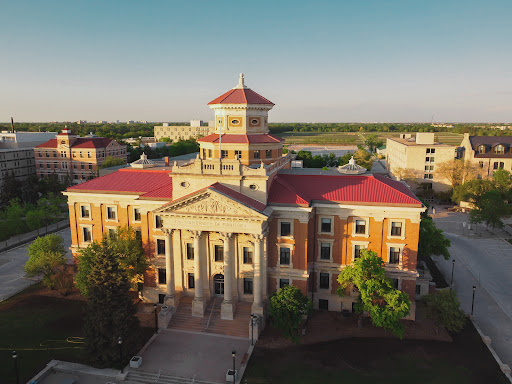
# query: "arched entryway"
[218,285]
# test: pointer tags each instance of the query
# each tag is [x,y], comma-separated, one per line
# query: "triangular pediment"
[209,203]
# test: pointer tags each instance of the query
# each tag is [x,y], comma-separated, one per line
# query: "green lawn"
[37,326]
[377,361]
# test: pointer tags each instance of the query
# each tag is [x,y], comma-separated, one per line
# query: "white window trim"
[319,246]
[213,243]
[155,238]
[184,242]
[402,235]
[185,278]
[320,225]
[154,223]
[80,211]
[400,259]
[82,234]
[366,227]
[115,210]
[353,245]
[323,290]
[279,236]
[283,245]
[278,280]
[133,215]
[241,247]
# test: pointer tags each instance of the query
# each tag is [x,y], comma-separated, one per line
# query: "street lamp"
[120,342]
[156,320]
[233,353]
[453,266]
[253,319]
[15,358]
[473,301]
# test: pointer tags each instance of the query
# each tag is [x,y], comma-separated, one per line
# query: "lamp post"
[156,320]
[253,317]
[120,342]
[15,358]
[473,301]
[233,353]
[453,267]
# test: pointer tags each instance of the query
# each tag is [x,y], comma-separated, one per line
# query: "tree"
[471,190]
[111,162]
[46,254]
[373,142]
[490,208]
[11,189]
[444,308]
[432,242]
[14,216]
[34,219]
[287,308]
[363,158]
[128,250]
[502,183]
[110,310]
[385,304]
[456,171]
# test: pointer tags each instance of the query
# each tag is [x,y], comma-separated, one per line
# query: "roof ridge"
[289,187]
[378,178]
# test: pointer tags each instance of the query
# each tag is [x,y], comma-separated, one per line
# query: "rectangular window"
[418,289]
[238,154]
[268,153]
[394,255]
[158,222]
[112,233]
[90,166]
[162,277]
[286,228]
[325,251]
[284,256]
[87,234]
[190,251]
[324,280]
[247,255]
[138,235]
[502,165]
[161,298]
[191,281]
[394,283]
[256,154]
[326,225]
[219,252]
[111,213]
[136,214]
[360,227]
[224,154]
[248,285]
[84,212]
[357,251]
[283,283]
[495,165]
[427,159]
[160,247]
[481,164]
[396,228]
[323,304]
[210,153]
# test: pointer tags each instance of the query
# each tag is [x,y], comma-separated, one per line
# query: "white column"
[264,266]
[227,308]
[257,306]
[169,270]
[197,303]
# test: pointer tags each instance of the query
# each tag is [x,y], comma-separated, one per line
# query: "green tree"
[11,189]
[111,162]
[502,183]
[373,142]
[128,251]
[110,310]
[46,255]
[287,308]
[385,304]
[444,308]
[14,216]
[489,209]
[363,158]
[34,219]
[432,242]
[471,190]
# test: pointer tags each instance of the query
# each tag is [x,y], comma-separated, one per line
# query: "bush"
[444,309]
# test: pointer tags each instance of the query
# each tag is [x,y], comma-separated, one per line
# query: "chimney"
[166,161]
[12,124]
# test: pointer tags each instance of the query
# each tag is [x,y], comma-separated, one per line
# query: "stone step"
[152,378]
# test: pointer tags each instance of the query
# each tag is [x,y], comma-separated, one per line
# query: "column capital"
[196,234]
[225,235]
[168,231]
[258,236]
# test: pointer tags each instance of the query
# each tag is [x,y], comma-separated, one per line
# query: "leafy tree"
[444,308]
[372,142]
[128,250]
[14,215]
[385,304]
[456,171]
[287,308]
[363,158]
[11,189]
[471,190]
[110,310]
[34,219]
[432,242]
[111,162]
[503,183]
[46,254]
[490,208]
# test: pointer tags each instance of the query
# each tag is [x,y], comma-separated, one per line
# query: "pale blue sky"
[318,61]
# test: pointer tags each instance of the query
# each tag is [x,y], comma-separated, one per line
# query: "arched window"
[481,149]
[499,149]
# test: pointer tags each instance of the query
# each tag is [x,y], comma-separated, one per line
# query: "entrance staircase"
[140,377]
[211,322]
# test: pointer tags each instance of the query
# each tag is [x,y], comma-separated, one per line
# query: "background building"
[74,156]
[416,159]
[195,130]
[489,153]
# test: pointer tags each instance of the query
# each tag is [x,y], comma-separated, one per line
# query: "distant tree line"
[181,147]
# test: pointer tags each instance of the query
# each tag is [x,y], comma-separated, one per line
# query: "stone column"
[264,266]
[198,302]
[257,306]
[170,298]
[227,309]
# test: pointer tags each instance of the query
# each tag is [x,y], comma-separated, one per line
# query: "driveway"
[12,275]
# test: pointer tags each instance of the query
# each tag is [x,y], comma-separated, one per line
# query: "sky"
[318,61]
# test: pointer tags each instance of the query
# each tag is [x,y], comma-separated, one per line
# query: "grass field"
[352,138]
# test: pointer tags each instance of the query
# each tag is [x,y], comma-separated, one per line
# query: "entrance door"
[218,283]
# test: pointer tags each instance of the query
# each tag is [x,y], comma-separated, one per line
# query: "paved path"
[486,263]
[12,275]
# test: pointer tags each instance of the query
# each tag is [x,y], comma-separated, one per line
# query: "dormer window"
[481,149]
[499,149]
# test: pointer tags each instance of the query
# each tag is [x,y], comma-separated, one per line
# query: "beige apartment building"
[489,153]
[175,132]
[416,159]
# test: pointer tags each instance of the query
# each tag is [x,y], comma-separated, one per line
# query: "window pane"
[219,253]
[284,256]
[191,281]
[326,225]
[248,286]
[360,227]
[323,304]
[286,228]
[247,255]
[325,251]
[160,243]
[283,282]
[394,255]
[162,278]
[324,280]
[396,229]
[190,251]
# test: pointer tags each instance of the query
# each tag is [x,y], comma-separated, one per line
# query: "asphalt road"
[12,276]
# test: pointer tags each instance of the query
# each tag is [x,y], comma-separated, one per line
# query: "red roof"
[241,139]
[240,96]
[148,183]
[241,198]
[303,189]
[80,142]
